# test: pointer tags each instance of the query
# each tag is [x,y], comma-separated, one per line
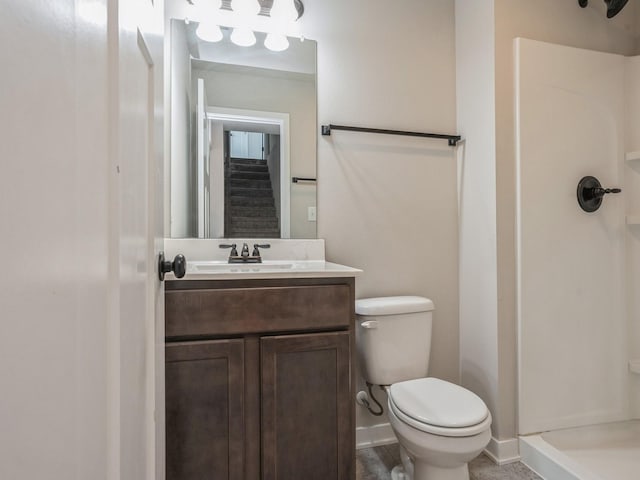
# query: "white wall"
[475,62]
[182,204]
[571,295]
[54,225]
[559,22]
[388,204]
[631,189]
[552,21]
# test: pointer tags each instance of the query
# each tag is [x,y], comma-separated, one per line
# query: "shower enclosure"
[577,116]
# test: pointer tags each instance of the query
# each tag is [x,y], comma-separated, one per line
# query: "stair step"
[249,183]
[253,233]
[247,161]
[255,211]
[250,208]
[255,223]
[248,168]
[250,192]
[249,175]
[241,201]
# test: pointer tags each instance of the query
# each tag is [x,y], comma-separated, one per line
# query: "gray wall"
[388,204]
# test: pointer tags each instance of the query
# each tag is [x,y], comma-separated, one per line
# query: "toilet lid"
[436,402]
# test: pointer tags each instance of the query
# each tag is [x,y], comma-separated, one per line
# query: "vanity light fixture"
[276,42]
[209,31]
[247,16]
[284,11]
[243,37]
[246,8]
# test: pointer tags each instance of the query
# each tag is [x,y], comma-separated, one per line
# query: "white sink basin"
[224,267]
[213,270]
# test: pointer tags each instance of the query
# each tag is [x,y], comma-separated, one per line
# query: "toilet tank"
[393,338]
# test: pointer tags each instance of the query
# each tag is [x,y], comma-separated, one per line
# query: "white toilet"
[440,426]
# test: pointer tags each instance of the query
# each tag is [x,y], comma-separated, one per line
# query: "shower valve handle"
[597,192]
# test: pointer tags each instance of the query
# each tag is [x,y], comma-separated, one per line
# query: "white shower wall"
[573,317]
[632,195]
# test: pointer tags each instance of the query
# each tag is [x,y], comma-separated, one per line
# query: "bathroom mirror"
[243,137]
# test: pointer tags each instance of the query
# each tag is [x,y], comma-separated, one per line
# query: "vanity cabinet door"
[205,410]
[307,423]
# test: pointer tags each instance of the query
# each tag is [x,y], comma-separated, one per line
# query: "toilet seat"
[438,407]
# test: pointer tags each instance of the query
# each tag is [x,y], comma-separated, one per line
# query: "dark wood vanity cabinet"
[205,409]
[271,396]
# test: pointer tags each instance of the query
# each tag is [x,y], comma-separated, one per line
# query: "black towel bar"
[452,139]
[302,179]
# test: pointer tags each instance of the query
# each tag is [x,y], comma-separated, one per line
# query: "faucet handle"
[256,246]
[234,252]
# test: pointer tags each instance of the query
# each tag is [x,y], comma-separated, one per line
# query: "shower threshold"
[608,451]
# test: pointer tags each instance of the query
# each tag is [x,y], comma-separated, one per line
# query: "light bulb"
[243,37]
[284,11]
[246,7]
[209,32]
[276,42]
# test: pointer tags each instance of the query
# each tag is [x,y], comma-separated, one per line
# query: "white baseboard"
[374,436]
[503,451]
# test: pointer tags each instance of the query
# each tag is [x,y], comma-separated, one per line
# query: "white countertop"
[285,259]
[217,270]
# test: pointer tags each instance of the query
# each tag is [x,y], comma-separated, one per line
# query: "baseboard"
[503,451]
[500,452]
[374,436]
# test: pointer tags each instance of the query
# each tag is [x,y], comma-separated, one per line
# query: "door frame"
[268,118]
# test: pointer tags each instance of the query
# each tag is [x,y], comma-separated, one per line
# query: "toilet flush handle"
[369,324]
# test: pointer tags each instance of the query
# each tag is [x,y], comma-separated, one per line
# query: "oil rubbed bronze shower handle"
[591,193]
[598,192]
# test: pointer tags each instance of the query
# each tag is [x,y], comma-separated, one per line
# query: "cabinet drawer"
[231,311]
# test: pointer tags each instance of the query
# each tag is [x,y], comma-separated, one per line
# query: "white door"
[139,354]
[80,349]
[247,145]
[203,129]
[54,230]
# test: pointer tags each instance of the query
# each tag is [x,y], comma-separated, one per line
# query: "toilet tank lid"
[393,305]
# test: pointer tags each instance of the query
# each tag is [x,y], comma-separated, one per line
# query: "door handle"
[178,266]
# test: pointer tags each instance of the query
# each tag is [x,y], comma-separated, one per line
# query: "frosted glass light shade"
[284,11]
[276,42]
[209,32]
[243,37]
[246,7]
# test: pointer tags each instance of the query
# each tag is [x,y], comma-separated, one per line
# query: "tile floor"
[376,464]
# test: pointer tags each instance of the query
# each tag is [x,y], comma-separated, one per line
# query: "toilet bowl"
[440,426]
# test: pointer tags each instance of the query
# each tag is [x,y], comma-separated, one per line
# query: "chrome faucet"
[244,256]
[234,252]
[256,246]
